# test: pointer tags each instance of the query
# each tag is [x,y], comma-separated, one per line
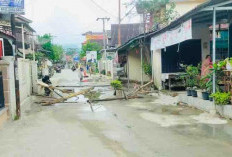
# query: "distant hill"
[66,46]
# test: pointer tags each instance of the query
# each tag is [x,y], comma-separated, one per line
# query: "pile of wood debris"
[72,94]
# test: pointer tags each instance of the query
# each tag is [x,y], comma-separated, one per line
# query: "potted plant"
[191,77]
[205,94]
[194,92]
[117,85]
[218,70]
[221,98]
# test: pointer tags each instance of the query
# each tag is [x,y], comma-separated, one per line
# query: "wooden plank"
[67,97]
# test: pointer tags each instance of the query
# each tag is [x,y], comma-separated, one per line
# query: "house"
[94,37]
[128,31]
[23,24]
[18,76]
[188,40]
[179,8]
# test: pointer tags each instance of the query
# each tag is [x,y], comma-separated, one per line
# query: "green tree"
[162,13]
[55,52]
[91,46]
[38,56]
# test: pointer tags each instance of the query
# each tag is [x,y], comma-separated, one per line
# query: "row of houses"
[18,76]
[186,40]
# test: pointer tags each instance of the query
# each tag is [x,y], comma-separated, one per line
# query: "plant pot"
[119,93]
[194,93]
[199,94]
[210,99]
[189,92]
[205,95]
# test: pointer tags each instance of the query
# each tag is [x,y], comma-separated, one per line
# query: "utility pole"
[23,42]
[17,92]
[33,47]
[119,23]
[104,19]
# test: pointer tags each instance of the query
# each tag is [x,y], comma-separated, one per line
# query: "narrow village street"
[153,126]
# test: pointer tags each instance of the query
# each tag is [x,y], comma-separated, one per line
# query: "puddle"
[139,106]
[165,99]
[165,120]
[78,99]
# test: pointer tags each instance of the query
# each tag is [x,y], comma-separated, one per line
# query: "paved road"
[150,127]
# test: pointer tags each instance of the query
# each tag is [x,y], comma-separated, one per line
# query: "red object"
[85,74]
[1,50]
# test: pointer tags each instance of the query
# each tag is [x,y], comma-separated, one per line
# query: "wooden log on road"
[140,88]
[121,98]
[67,97]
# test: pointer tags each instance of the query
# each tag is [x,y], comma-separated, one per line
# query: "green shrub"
[221,98]
[147,69]
[191,76]
[116,84]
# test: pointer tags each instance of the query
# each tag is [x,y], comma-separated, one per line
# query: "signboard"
[76,58]
[110,55]
[12,6]
[175,36]
[91,56]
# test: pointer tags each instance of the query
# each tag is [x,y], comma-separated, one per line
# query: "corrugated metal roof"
[197,15]
[128,31]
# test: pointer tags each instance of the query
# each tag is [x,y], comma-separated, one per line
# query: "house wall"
[11,81]
[157,68]
[4,68]
[201,31]
[184,6]
[25,82]
[135,67]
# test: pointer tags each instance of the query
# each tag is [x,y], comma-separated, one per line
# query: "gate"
[2,102]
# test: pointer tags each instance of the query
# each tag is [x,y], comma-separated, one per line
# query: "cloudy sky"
[68,19]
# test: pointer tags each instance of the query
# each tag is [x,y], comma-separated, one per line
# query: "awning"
[177,35]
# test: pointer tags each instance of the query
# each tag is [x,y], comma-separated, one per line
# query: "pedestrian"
[206,65]
[46,79]
[80,73]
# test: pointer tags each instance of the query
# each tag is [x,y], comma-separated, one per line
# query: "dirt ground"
[150,127]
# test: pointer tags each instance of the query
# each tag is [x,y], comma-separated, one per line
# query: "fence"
[108,66]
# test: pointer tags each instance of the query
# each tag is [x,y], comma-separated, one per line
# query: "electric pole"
[104,19]
[119,23]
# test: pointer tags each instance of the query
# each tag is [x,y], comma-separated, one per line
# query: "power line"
[96,4]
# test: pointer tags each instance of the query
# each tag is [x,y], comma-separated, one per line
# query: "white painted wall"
[24,74]
[157,68]
[135,67]
[184,6]
[34,73]
[201,31]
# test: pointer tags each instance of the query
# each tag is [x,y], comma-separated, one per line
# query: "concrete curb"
[207,106]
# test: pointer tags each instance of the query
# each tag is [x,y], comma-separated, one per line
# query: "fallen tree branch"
[112,99]
[140,88]
[67,97]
